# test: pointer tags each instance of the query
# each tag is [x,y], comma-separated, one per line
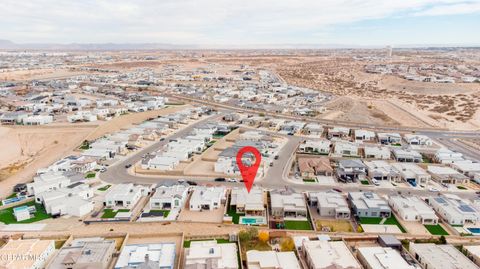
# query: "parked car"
[276,157]
[232,180]
[433,189]
[192,183]
[220,179]
[128,166]
[337,190]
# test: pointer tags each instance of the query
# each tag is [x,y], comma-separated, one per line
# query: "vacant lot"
[334,225]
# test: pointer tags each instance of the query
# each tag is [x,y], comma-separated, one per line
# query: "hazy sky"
[242,22]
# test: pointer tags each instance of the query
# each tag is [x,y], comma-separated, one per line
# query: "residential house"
[377,152]
[124,195]
[249,204]
[272,259]
[412,208]
[158,255]
[167,198]
[315,146]
[447,175]
[329,204]
[84,253]
[210,254]
[286,204]
[369,205]
[407,155]
[328,254]
[382,170]
[433,256]
[207,198]
[364,135]
[416,139]
[412,173]
[338,132]
[345,149]
[382,258]
[350,170]
[312,167]
[454,210]
[389,138]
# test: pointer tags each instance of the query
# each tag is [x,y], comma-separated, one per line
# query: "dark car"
[161,139]
[192,183]
[276,157]
[220,179]
[337,190]
[128,166]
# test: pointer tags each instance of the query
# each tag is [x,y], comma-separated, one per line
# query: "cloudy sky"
[242,22]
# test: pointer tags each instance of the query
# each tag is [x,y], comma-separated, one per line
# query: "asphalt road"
[117,173]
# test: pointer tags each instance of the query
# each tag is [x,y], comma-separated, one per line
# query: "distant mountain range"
[9,45]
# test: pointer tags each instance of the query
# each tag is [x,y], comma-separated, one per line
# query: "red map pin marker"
[248,172]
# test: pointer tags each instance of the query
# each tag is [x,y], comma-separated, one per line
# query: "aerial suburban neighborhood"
[152,156]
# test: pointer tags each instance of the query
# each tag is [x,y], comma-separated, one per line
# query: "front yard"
[104,188]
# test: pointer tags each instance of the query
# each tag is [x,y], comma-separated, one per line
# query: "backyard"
[389,221]
[7,217]
[334,225]
[297,225]
[232,212]
[111,213]
[436,229]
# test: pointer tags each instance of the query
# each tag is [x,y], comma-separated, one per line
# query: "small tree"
[248,234]
[287,244]
[263,236]
[442,240]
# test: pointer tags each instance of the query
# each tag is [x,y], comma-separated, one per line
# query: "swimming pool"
[474,231]
[252,220]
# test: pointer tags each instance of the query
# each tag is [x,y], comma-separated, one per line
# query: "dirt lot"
[203,216]
[27,149]
[127,120]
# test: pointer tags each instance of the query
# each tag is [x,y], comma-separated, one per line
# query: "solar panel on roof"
[466,208]
[440,200]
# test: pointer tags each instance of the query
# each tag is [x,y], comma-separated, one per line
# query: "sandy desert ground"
[25,149]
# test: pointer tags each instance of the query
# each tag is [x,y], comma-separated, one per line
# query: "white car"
[433,189]
[231,180]
[375,182]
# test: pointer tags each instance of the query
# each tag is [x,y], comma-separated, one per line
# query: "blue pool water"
[249,221]
[475,231]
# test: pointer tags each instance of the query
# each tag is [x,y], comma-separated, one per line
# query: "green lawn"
[110,213]
[165,212]
[232,213]
[297,225]
[461,187]
[186,243]
[13,195]
[90,175]
[7,217]
[104,188]
[436,229]
[365,182]
[390,221]
[217,136]
[309,180]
